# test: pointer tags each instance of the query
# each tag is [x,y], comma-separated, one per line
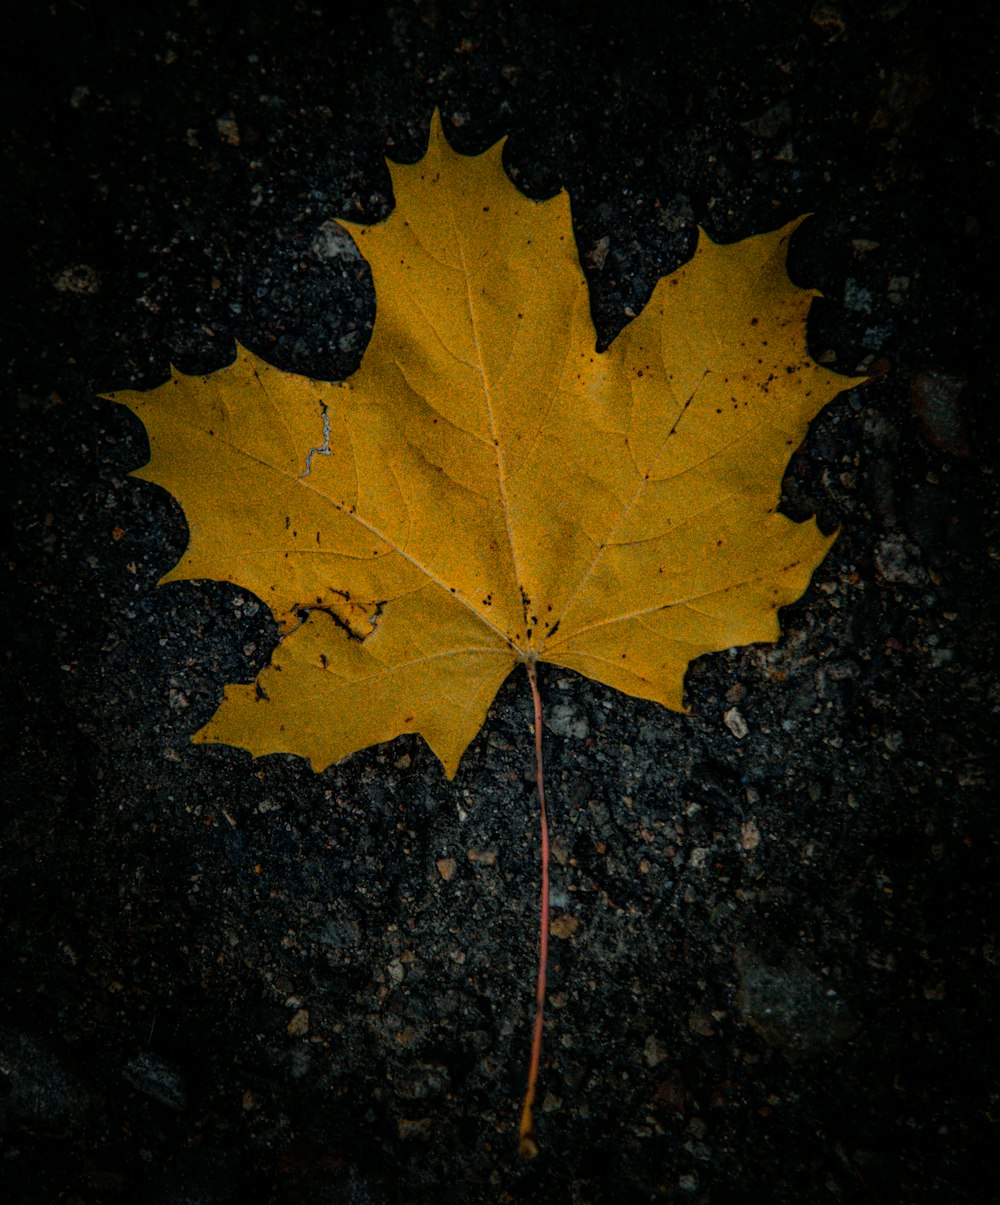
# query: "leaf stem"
[526,1130]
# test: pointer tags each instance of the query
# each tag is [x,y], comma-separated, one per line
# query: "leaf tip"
[436,139]
[704,237]
[436,127]
[449,764]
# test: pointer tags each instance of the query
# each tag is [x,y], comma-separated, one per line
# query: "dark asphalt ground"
[227,980]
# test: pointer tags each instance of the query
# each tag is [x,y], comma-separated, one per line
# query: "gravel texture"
[775,952]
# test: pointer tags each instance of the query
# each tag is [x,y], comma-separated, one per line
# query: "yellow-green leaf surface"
[488,488]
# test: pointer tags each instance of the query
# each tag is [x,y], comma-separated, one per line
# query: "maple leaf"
[487,488]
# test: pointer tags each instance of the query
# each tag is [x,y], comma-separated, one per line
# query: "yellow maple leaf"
[487,488]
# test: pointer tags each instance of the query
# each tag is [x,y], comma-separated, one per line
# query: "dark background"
[226,980]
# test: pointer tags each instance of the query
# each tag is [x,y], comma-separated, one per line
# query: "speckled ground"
[226,980]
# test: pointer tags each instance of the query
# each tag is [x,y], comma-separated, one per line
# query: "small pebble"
[735,722]
[298,1026]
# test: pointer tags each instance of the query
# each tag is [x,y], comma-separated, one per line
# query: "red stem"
[526,1129]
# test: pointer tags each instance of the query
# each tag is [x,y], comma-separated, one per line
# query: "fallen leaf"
[487,488]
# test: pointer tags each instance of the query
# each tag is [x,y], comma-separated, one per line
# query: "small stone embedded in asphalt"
[298,1026]
[856,297]
[898,560]
[227,129]
[792,1008]
[35,1088]
[936,398]
[158,1079]
[772,122]
[564,926]
[77,278]
[414,1128]
[654,1051]
[567,720]
[331,241]
[421,1080]
[734,721]
[446,868]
